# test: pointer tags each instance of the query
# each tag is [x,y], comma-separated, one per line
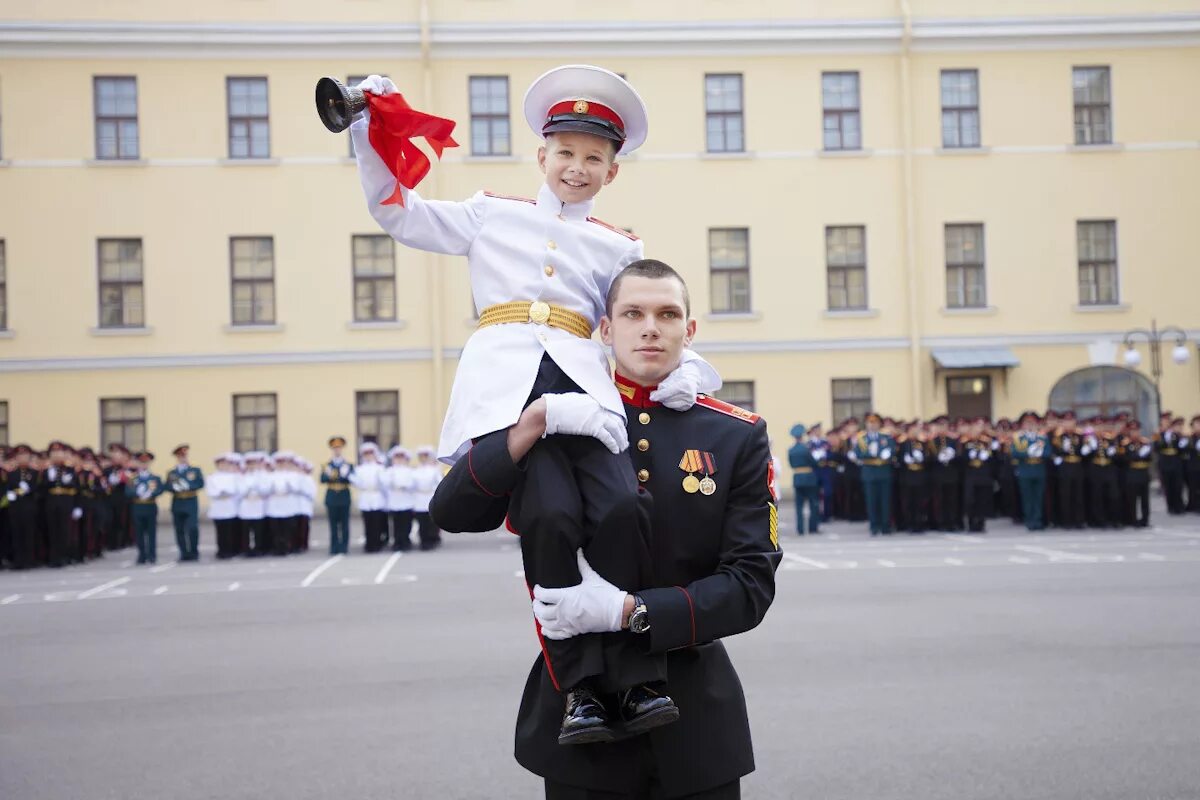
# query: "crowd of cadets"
[953,475]
[65,505]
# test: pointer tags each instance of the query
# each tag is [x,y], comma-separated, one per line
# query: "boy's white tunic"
[516,250]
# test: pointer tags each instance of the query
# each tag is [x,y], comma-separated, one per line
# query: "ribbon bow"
[394,124]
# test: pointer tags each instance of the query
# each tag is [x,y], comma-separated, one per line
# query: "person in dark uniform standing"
[184,482]
[119,473]
[804,481]
[719,512]
[335,476]
[873,451]
[61,487]
[1169,447]
[826,469]
[945,450]
[912,483]
[1008,501]
[1191,466]
[978,476]
[1137,453]
[1029,449]
[20,490]
[1069,472]
[144,490]
[1104,495]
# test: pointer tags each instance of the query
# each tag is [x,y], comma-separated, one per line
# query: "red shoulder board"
[727,408]
[614,229]
[510,197]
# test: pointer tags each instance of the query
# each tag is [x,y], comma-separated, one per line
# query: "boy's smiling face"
[577,165]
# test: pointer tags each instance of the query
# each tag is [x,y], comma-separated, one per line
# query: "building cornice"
[611,38]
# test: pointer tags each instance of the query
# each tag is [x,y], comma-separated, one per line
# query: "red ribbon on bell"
[394,124]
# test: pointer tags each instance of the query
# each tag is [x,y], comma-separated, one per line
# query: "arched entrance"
[1107,391]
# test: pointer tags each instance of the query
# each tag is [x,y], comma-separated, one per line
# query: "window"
[965,287]
[843,120]
[489,115]
[3,423]
[846,267]
[249,123]
[723,110]
[121,291]
[377,416]
[3,288]
[255,423]
[123,421]
[374,278]
[1093,105]
[739,393]
[115,104]
[1097,263]
[960,108]
[851,398]
[252,267]
[729,269]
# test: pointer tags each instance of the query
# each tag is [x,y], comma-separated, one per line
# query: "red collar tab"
[587,108]
[633,394]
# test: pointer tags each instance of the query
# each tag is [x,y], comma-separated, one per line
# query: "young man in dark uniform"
[1068,462]
[1169,446]
[709,472]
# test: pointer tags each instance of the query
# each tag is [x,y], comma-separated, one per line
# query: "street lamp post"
[1154,338]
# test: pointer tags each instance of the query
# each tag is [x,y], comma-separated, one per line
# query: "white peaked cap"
[582,85]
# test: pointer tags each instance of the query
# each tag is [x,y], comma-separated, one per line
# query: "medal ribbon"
[690,461]
[394,124]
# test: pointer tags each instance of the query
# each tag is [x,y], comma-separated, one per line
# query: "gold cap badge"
[581,106]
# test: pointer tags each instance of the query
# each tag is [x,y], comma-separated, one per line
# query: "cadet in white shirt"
[252,509]
[426,477]
[281,503]
[224,491]
[399,483]
[368,479]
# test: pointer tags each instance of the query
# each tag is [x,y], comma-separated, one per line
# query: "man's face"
[337,452]
[577,165]
[649,328]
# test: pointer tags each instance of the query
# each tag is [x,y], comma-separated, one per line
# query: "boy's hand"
[593,606]
[581,415]
[679,389]
[377,84]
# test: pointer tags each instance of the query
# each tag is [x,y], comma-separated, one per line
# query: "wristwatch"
[639,618]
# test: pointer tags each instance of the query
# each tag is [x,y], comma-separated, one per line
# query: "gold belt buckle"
[539,312]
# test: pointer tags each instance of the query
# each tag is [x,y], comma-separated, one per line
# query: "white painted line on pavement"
[233,587]
[954,562]
[883,562]
[1055,555]
[1151,557]
[834,536]
[126,564]
[103,588]
[160,590]
[165,567]
[809,561]
[387,566]
[1020,560]
[963,537]
[326,564]
[12,598]
[1180,534]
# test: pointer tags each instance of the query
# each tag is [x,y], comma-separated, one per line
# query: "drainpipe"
[434,269]
[910,224]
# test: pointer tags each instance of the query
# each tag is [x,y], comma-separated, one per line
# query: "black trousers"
[374,527]
[651,791]
[1070,496]
[254,537]
[1137,498]
[1193,487]
[914,503]
[402,529]
[1105,500]
[22,523]
[977,496]
[282,534]
[947,511]
[577,495]
[1172,484]
[58,528]
[427,531]
[226,537]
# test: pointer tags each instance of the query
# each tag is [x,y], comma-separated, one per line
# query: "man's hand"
[581,415]
[593,606]
[76,514]
[679,389]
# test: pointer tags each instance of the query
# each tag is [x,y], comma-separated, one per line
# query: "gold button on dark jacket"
[643,445]
[643,475]
[644,418]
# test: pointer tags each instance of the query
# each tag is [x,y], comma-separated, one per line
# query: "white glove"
[679,389]
[67,477]
[886,455]
[581,415]
[12,497]
[24,487]
[1183,442]
[77,514]
[377,84]
[142,491]
[593,606]
[908,459]
[51,473]
[945,455]
[344,470]
[1144,451]
[984,455]
[1058,461]
[918,456]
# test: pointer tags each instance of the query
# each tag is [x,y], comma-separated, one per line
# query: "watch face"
[638,622]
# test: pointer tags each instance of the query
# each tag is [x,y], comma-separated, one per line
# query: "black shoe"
[643,709]
[585,720]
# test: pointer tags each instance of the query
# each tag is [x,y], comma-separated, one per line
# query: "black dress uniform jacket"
[714,556]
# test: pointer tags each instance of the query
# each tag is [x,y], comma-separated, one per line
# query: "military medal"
[694,461]
[707,486]
[691,484]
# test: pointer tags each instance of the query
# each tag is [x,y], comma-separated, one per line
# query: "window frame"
[3,285]
[1089,108]
[846,269]
[4,424]
[373,280]
[122,284]
[854,400]
[490,117]
[726,116]
[124,423]
[723,394]
[960,110]
[98,118]
[235,281]
[962,267]
[742,270]
[1095,264]
[273,438]
[359,414]
[841,114]
[230,119]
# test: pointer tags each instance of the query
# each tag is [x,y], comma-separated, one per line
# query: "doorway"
[969,396]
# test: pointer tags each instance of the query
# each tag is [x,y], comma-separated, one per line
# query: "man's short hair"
[647,268]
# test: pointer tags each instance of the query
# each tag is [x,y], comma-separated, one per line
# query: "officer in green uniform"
[336,477]
[144,491]
[1029,449]
[184,482]
[805,481]
[873,451]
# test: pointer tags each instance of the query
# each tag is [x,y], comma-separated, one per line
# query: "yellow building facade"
[918,207]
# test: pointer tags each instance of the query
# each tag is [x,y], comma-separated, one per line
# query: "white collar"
[548,200]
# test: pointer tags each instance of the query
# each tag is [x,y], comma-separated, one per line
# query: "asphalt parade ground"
[1006,665]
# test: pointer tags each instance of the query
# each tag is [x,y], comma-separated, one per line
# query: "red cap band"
[588,108]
